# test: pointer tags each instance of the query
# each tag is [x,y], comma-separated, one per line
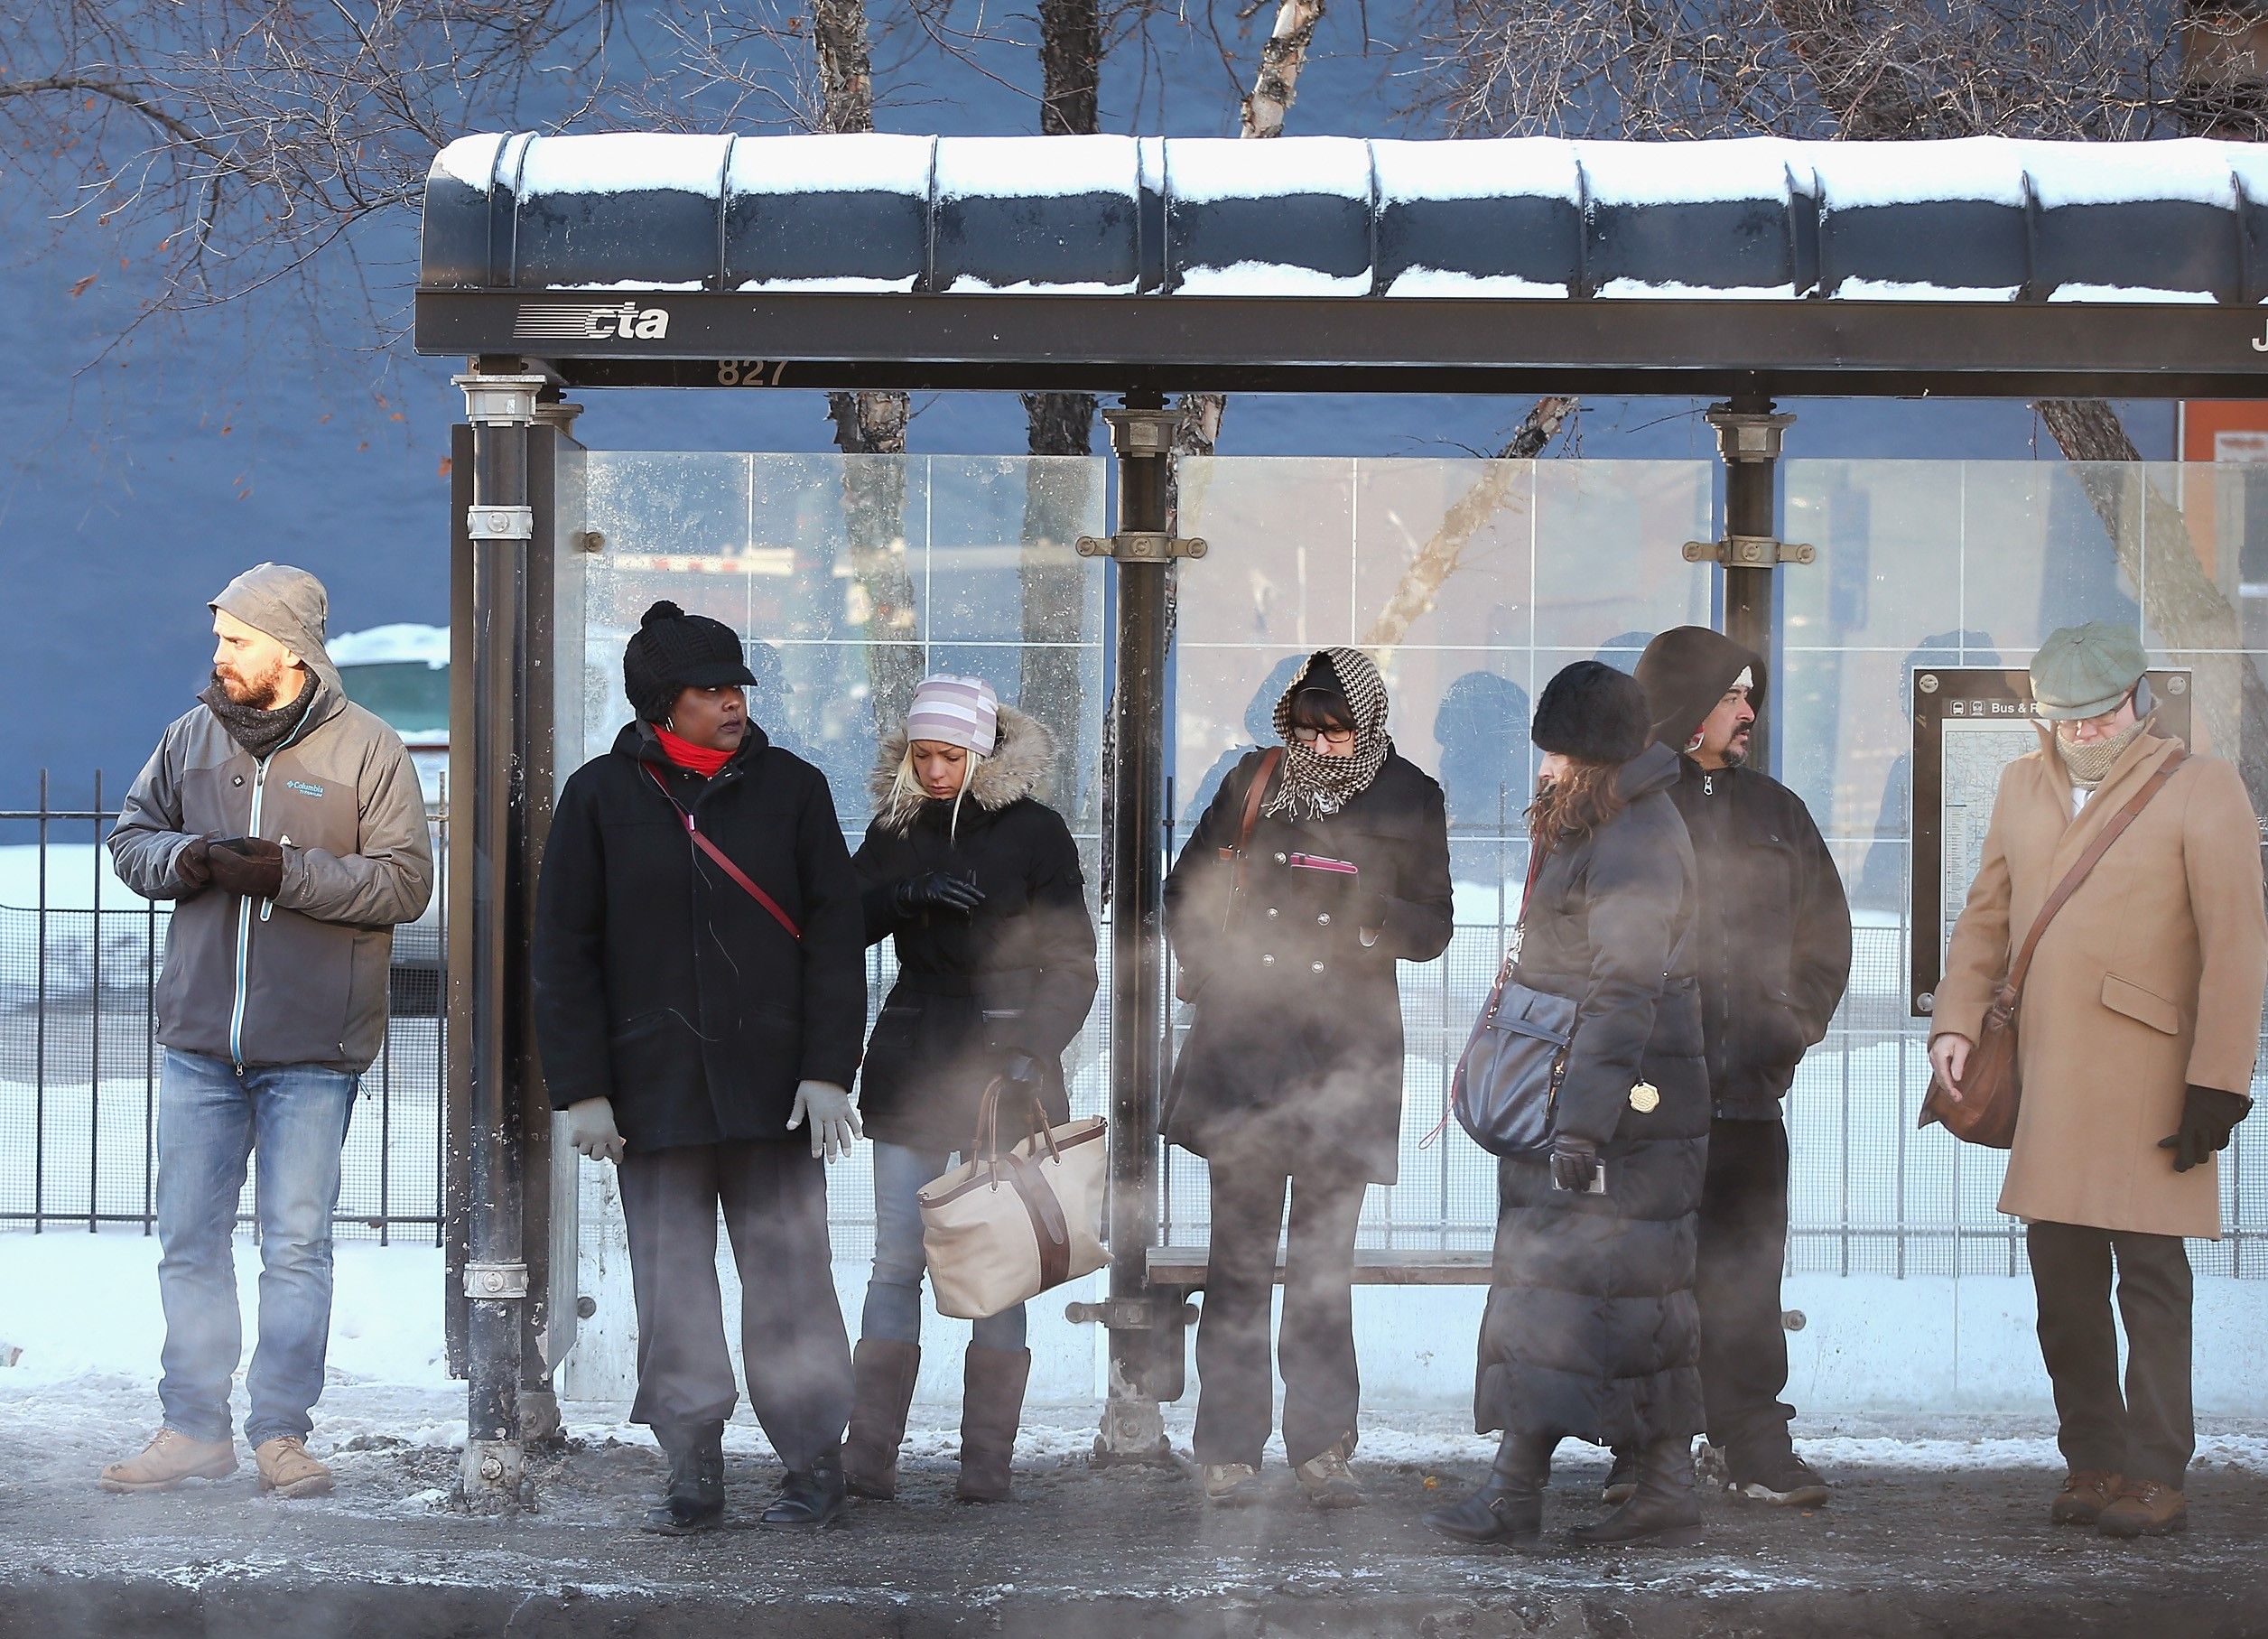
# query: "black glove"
[192,868]
[2208,1116]
[1575,1162]
[248,865]
[937,890]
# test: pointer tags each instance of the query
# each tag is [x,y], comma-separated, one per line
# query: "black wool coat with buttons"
[1591,1329]
[1294,1053]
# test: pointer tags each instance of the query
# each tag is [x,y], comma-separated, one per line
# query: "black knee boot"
[1509,1507]
[1663,1509]
[695,1498]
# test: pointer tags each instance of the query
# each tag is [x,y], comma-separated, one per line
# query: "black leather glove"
[1575,1162]
[935,890]
[2208,1116]
[248,865]
[192,868]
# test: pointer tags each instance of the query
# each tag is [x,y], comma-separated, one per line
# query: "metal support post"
[488,887]
[1748,437]
[1146,1331]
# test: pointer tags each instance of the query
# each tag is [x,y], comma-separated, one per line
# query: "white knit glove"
[834,1119]
[591,1130]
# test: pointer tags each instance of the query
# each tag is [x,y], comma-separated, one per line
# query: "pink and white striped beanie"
[960,711]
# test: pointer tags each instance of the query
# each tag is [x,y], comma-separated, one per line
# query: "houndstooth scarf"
[1314,786]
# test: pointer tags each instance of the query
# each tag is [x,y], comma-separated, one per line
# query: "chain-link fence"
[79,1061]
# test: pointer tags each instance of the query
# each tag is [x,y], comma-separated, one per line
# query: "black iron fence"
[79,1060]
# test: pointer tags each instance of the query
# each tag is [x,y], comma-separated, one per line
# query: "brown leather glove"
[2209,1115]
[192,868]
[248,865]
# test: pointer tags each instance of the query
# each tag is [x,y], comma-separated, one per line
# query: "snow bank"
[401,642]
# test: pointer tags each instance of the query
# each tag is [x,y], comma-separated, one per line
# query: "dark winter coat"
[659,982]
[1772,941]
[1296,1049]
[1015,976]
[1591,1329]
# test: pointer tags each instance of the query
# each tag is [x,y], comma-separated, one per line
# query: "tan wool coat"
[2149,980]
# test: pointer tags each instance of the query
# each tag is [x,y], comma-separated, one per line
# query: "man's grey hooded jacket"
[301,979]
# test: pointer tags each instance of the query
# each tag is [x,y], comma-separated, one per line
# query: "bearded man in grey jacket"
[285,824]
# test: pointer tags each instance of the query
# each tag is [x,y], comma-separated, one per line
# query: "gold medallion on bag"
[1645,1098]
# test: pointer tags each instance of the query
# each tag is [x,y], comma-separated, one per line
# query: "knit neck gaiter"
[703,760]
[260,731]
[2091,764]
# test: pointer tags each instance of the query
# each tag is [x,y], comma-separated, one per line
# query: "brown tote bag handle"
[1986,1112]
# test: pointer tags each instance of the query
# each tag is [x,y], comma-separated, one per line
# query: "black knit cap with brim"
[1594,713]
[672,651]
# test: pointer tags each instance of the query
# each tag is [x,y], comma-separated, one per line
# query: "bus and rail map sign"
[1969,722]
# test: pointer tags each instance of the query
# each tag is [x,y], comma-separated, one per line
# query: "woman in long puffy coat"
[1291,1077]
[978,881]
[1591,1331]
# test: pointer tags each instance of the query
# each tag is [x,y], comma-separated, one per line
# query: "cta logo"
[587,321]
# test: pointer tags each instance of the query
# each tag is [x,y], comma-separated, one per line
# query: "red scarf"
[692,758]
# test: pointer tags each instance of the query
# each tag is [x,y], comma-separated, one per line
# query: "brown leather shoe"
[286,1469]
[171,1458]
[2144,1508]
[2086,1493]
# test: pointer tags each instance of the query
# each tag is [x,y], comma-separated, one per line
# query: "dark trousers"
[1742,1246]
[2148,1434]
[792,1340]
[1322,1387]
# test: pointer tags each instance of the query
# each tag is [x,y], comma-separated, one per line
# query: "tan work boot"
[286,1469]
[2086,1493]
[171,1458]
[2144,1508]
[1231,1484]
[1327,1480]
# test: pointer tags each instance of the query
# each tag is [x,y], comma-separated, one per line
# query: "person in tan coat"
[2140,1022]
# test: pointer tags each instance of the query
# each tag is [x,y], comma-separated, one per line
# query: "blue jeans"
[211,1118]
[893,1297]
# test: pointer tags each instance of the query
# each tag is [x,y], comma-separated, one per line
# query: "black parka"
[1591,1329]
[1295,1051]
[659,982]
[1015,976]
[1772,942]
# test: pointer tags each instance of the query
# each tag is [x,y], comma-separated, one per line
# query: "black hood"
[1684,672]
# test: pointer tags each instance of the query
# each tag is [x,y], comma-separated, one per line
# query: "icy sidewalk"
[1934,1532]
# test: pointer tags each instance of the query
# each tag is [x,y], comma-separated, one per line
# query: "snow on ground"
[83,1311]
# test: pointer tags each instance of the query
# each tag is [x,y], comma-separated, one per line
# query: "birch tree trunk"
[869,423]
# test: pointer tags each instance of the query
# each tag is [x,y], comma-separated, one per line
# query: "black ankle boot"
[1663,1509]
[695,1498]
[1509,1507]
[809,1498]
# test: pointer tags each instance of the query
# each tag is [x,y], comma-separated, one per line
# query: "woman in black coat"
[978,881]
[703,1039]
[1591,1331]
[1291,1076]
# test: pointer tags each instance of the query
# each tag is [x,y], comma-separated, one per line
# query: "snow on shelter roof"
[1527,218]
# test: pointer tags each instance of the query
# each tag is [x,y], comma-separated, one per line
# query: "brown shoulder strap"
[2087,862]
[1254,793]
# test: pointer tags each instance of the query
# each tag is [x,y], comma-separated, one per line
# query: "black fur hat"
[1592,713]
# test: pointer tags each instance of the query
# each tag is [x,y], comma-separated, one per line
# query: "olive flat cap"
[2084,671]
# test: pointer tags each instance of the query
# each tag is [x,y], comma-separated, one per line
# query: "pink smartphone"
[1316,861]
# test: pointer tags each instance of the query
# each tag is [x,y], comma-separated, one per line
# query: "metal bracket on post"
[486,1280]
[1749,551]
[1140,547]
[500,523]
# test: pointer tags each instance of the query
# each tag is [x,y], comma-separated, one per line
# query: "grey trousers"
[792,1338]
[2145,1433]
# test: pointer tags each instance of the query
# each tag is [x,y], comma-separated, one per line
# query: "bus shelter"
[1753,271]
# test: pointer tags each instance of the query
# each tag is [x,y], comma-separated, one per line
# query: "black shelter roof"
[1978,265]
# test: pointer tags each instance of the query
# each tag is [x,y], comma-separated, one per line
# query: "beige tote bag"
[1005,1226]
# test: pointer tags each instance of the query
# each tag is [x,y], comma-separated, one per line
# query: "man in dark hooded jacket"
[1774,939]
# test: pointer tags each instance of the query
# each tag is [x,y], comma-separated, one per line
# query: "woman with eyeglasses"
[1320,863]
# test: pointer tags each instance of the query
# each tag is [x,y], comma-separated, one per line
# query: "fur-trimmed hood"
[1022,765]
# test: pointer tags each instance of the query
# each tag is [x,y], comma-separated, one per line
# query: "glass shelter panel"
[849,579]
[1941,565]
[1472,582]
